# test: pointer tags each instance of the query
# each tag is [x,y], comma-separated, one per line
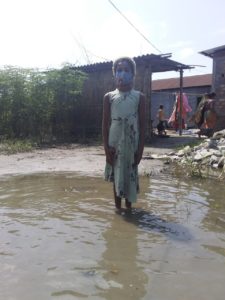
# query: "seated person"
[162,121]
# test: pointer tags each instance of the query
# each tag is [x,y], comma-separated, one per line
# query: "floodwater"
[62,239]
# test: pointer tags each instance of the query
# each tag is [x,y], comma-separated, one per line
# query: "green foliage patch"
[40,105]
[17,146]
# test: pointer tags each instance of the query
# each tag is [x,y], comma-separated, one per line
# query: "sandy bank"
[84,160]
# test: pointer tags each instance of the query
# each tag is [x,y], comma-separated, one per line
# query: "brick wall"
[167,99]
[219,87]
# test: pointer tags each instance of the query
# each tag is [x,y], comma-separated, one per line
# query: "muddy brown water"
[61,239]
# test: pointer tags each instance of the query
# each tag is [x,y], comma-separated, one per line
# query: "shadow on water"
[149,222]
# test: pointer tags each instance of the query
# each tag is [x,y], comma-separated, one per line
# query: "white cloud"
[219,31]
[36,33]
[163,30]
[179,44]
[119,38]
[42,33]
[186,53]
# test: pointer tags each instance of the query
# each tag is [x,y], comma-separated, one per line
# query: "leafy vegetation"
[192,144]
[17,146]
[40,106]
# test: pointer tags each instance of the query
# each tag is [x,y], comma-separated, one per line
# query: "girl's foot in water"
[118,203]
[128,204]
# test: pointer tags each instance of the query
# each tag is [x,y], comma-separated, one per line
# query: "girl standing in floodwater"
[123,131]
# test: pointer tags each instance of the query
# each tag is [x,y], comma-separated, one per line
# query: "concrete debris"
[210,153]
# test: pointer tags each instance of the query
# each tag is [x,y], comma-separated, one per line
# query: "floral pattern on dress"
[124,137]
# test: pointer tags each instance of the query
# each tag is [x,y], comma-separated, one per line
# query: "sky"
[50,33]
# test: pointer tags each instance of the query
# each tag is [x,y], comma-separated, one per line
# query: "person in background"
[198,116]
[123,130]
[175,116]
[161,126]
[209,116]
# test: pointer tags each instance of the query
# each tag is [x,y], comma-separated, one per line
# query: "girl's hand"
[110,155]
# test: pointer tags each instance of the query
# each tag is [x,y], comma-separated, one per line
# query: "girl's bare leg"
[117,199]
[128,203]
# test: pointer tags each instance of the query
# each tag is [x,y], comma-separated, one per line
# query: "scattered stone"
[215,166]
[211,152]
[180,153]
[213,159]
[221,162]
[218,135]
[197,157]
[212,144]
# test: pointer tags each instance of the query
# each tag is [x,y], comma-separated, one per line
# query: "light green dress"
[124,137]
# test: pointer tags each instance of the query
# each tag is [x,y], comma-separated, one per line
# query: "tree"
[39,105]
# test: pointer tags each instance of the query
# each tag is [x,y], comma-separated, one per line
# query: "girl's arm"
[109,151]
[142,121]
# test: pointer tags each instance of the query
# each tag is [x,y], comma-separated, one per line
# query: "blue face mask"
[126,77]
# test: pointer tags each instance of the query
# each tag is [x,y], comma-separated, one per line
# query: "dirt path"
[84,160]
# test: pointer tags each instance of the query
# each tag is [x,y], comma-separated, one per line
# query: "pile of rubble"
[206,159]
[209,153]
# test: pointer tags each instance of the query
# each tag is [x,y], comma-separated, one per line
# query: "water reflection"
[124,276]
[61,238]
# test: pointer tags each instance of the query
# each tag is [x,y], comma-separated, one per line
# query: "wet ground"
[62,239]
[86,160]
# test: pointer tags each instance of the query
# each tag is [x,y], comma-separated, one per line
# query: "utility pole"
[147,91]
[181,101]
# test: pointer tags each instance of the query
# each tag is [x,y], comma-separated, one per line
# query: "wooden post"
[181,101]
[147,92]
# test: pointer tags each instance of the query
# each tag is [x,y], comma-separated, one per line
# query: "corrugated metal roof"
[212,51]
[189,81]
[158,63]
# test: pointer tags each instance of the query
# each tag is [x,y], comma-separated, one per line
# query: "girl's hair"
[129,60]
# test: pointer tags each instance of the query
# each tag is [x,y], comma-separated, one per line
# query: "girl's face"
[124,76]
